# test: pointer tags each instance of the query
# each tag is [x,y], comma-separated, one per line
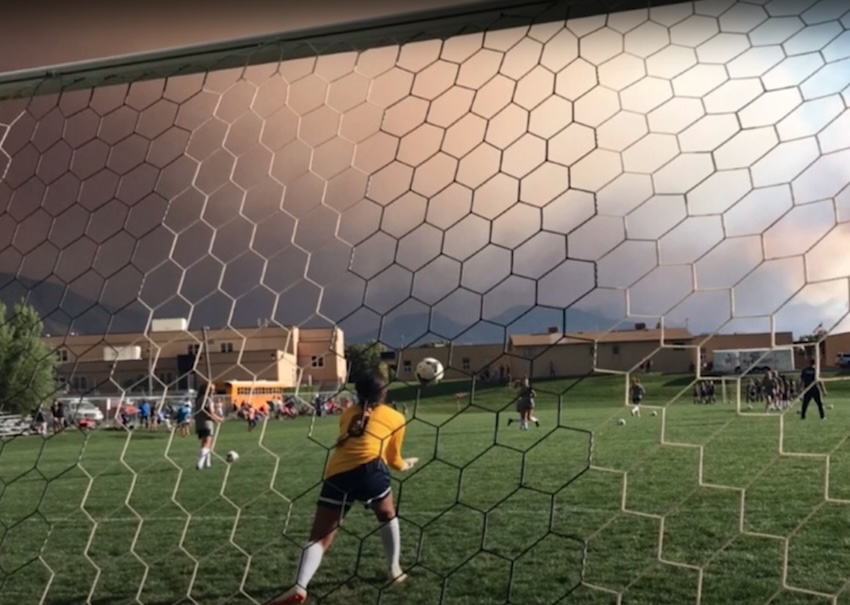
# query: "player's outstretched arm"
[394,458]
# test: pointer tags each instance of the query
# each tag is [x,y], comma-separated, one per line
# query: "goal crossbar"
[350,36]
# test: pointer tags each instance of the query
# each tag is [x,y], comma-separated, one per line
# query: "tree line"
[364,358]
[27,363]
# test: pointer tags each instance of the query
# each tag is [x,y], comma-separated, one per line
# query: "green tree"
[363,358]
[27,364]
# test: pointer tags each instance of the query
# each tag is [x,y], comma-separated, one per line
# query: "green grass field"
[695,505]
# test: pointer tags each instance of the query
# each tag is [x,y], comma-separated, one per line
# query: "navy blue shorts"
[204,432]
[368,483]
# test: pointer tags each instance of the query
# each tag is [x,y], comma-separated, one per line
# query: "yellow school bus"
[257,393]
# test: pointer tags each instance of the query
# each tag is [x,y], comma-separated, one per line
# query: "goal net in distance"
[598,204]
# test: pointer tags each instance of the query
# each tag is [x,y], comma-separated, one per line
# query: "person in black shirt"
[39,421]
[636,395]
[811,389]
[57,411]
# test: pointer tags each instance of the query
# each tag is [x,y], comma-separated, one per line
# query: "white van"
[83,409]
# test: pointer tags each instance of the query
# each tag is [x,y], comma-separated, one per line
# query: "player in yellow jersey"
[369,444]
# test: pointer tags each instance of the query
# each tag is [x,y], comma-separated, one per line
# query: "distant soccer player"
[636,393]
[57,413]
[370,440]
[811,389]
[697,393]
[182,417]
[205,421]
[768,386]
[40,421]
[526,404]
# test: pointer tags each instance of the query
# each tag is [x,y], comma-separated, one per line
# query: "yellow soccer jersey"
[382,439]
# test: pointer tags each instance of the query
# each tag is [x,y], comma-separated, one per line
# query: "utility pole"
[150,368]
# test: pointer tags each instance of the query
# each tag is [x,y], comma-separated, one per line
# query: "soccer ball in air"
[429,371]
[232,456]
[621,422]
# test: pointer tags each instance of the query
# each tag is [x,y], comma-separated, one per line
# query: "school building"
[833,346]
[555,354]
[141,362]
[177,357]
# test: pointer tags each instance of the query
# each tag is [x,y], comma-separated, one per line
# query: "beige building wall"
[539,362]
[552,354]
[172,344]
[321,355]
[288,370]
[317,355]
[572,358]
[631,356]
[579,359]
[459,361]
[266,353]
[762,340]
[104,377]
[833,345]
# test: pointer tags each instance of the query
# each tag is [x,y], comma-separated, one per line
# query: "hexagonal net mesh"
[641,207]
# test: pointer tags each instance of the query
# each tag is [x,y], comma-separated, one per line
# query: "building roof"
[139,338]
[613,336]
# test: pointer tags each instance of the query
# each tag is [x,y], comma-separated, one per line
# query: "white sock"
[391,538]
[202,457]
[311,559]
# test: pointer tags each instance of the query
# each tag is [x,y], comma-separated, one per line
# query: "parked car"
[84,411]
[843,360]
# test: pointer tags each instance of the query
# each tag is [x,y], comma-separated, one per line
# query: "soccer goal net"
[567,212]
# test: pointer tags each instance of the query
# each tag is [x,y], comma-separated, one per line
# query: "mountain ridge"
[66,311]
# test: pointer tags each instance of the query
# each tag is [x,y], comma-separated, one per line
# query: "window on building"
[194,349]
[615,349]
[62,355]
[227,347]
[528,352]
[406,366]
[464,364]
[317,361]
[79,383]
[165,377]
